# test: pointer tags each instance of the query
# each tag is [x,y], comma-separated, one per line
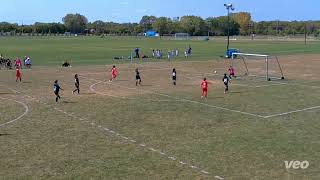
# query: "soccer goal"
[181,36]
[257,65]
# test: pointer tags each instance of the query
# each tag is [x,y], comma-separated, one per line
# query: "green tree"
[98,26]
[193,25]
[244,21]
[75,23]
[161,25]
[8,27]
[147,21]
[137,29]
[219,26]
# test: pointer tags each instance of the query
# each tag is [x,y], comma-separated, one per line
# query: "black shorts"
[174,78]
[56,92]
[138,78]
[77,85]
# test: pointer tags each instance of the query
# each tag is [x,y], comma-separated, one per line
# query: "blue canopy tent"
[151,34]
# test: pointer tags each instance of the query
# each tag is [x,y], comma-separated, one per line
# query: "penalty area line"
[187,100]
[292,112]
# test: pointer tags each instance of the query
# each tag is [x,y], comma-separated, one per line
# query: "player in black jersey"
[56,89]
[77,84]
[138,78]
[226,82]
[174,76]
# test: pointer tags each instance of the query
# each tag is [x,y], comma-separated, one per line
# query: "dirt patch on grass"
[156,77]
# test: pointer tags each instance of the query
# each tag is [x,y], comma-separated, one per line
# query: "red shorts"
[205,89]
[113,76]
[18,75]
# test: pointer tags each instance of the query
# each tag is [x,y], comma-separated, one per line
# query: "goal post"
[272,64]
[181,36]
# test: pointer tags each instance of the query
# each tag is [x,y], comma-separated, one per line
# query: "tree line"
[240,24]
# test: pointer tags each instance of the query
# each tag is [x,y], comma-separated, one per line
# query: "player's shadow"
[219,97]
[235,92]
[69,102]
[4,134]
[88,93]
[5,93]
[146,85]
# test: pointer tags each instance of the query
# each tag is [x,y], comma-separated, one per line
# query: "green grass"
[53,51]
[50,144]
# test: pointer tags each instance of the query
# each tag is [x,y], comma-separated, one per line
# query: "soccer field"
[157,131]
[52,51]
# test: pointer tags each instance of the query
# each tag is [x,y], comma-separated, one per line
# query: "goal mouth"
[181,36]
[258,65]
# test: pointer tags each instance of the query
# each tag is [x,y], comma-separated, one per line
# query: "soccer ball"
[215,72]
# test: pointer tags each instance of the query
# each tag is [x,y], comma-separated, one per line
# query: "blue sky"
[30,11]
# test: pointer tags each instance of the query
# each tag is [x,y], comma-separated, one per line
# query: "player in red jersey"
[113,73]
[18,74]
[232,73]
[204,87]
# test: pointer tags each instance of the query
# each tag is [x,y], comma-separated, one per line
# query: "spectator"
[66,64]
[137,53]
[25,61]
[28,62]
[153,53]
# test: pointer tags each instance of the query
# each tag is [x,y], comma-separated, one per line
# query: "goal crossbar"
[247,54]
[266,57]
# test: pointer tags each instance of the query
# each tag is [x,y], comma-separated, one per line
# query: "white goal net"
[257,65]
[181,36]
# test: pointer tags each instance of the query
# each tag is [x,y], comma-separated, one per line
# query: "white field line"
[19,117]
[182,99]
[269,116]
[244,85]
[125,138]
[226,109]
[280,114]
[185,100]
[303,85]
[291,112]
[94,90]
[278,84]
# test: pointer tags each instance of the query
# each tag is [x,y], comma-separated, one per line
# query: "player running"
[204,87]
[18,74]
[113,73]
[77,84]
[226,82]
[231,72]
[174,76]
[56,89]
[138,78]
